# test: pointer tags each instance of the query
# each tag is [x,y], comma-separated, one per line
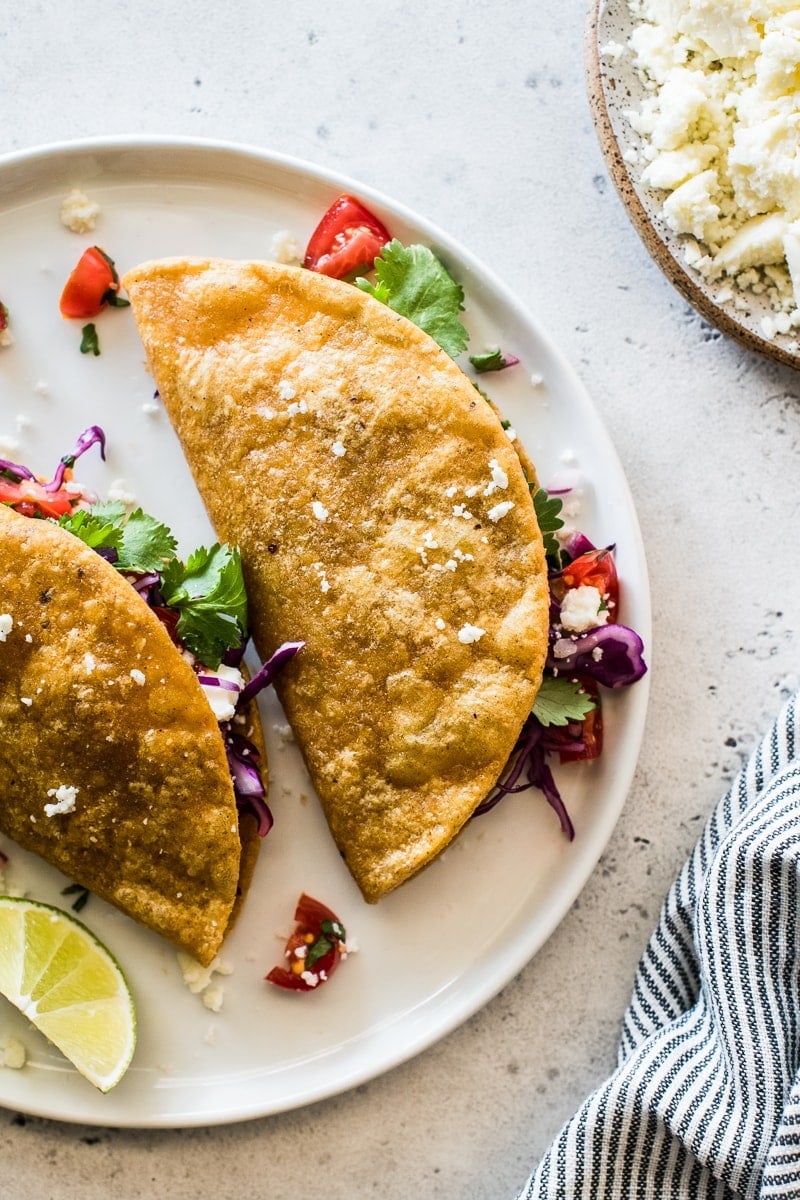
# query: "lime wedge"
[69,986]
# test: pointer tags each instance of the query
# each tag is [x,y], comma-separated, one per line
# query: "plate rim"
[523,949]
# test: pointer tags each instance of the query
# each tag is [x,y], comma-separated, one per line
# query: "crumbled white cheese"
[319,510]
[119,490]
[440,623]
[582,608]
[78,212]
[138,676]
[296,407]
[499,478]
[500,510]
[12,1053]
[89,662]
[460,510]
[200,980]
[339,449]
[64,800]
[26,700]
[286,249]
[285,390]
[223,699]
[719,132]
[6,625]
[470,633]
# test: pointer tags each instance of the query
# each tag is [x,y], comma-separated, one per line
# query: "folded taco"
[383,516]
[114,766]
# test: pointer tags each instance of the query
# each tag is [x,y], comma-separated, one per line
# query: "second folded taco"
[114,767]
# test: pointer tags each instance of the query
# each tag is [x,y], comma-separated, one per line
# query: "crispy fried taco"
[129,750]
[383,516]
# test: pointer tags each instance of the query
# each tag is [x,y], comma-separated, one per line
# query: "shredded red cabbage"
[215,681]
[248,786]
[92,436]
[611,655]
[267,672]
[530,756]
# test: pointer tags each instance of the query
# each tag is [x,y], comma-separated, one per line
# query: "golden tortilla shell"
[383,516]
[154,828]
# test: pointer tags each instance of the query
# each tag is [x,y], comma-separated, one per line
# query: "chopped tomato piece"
[313,950]
[591,733]
[348,237]
[595,568]
[92,285]
[31,498]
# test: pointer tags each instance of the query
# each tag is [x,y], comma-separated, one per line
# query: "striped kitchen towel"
[705,1100]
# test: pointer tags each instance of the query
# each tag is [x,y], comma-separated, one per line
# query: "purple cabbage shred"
[611,655]
[268,670]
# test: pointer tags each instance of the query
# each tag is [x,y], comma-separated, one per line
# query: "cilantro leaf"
[90,343]
[100,531]
[414,283]
[560,700]
[145,545]
[209,593]
[492,360]
[317,950]
[142,543]
[547,509]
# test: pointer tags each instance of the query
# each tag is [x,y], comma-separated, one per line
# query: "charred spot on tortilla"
[316,419]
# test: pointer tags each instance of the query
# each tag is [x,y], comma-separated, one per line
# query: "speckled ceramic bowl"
[614,87]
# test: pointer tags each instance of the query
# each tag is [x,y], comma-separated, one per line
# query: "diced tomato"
[591,733]
[31,499]
[595,568]
[348,237]
[319,937]
[93,284]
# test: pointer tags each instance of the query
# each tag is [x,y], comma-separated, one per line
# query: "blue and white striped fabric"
[705,1101]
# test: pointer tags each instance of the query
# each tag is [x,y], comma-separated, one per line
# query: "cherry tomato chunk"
[313,950]
[348,237]
[91,284]
[591,733]
[32,499]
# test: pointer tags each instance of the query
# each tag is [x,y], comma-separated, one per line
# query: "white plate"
[615,87]
[432,953]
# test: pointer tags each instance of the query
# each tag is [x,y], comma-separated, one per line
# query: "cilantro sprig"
[560,700]
[548,509]
[413,282]
[332,933]
[141,543]
[492,360]
[207,590]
